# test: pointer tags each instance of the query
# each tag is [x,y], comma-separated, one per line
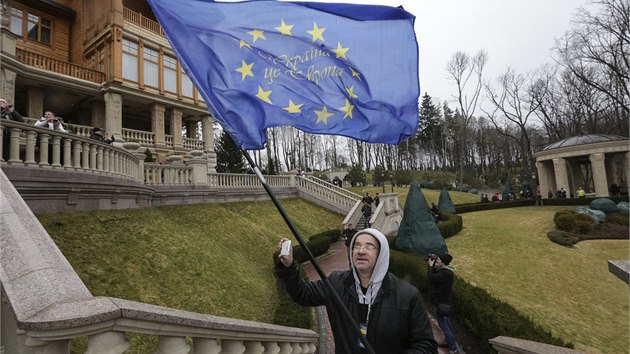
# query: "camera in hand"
[433,256]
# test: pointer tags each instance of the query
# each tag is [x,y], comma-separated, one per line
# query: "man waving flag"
[323,68]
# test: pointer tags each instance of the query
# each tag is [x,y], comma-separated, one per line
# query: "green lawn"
[568,291]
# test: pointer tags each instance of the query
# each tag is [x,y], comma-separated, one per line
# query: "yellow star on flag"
[244,44]
[294,108]
[323,115]
[355,73]
[347,109]
[256,34]
[245,70]
[264,95]
[285,29]
[316,32]
[350,91]
[340,51]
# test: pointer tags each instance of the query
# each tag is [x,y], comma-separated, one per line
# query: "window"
[187,86]
[38,28]
[101,60]
[150,67]
[16,21]
[130,60]
[170,73]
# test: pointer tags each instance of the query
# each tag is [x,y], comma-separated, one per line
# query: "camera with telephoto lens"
[433,256]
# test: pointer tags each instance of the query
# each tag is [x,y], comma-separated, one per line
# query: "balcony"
[139,19]
[58,66]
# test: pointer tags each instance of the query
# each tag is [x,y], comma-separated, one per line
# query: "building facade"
[102,63]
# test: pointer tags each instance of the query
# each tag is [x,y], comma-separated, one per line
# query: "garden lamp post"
[383,181]
[391,178]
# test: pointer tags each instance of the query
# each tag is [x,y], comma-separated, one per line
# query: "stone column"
[113,115]
[543,178]
[199,165]
[7,85]
[560,170]
[157,123]
[599,174]
[191,128]
[35,102]
[175,118]
[98,116]
[208,142]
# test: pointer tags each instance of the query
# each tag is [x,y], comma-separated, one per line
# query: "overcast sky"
[515,33]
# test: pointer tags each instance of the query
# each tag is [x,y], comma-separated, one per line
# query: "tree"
[356,175]
[229,156]
[462,68]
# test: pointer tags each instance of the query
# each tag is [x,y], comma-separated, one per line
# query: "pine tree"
[229,157]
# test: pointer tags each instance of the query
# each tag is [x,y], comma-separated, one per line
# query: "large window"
[37,28]
[187,86]
[17,22]
[151,58]
[170,73]
[130,60]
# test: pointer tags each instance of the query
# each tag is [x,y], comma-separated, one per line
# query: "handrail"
[58,66]
[142,21]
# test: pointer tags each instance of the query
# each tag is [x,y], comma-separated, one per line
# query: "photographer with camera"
[7,112]
[441,278]
[49,120]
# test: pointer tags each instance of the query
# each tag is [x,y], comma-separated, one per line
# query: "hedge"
[469,207]
[451,224]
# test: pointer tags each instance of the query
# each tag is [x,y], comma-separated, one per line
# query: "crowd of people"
[49,121]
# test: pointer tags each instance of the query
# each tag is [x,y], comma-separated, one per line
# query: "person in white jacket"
[49,120]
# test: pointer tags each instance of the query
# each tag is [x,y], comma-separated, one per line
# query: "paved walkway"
[337,259]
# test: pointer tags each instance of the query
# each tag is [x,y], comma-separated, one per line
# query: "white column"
[172,345]
[113,115]
[107,343]
[599,174]
[560,170]
[175,120]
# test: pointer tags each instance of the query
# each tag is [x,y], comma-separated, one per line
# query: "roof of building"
[583,140]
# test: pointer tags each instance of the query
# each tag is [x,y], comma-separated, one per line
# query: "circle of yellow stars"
[317,34]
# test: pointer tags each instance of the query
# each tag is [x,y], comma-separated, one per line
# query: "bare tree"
[466,71]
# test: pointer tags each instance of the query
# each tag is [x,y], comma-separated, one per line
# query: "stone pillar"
[98,116]
[157,123]
[543,178]
[560,170]
[199,165]
[35,102]
[191,128]
[599,174]
[208,142]
[7,85]
[113,115]
[175,118]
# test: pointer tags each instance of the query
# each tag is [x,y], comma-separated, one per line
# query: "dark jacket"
[347,235]
[398,322]
[15,116]
[441,280]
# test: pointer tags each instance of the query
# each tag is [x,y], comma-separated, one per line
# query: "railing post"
[172,345]
[107,343]
[206,346]
[56,151]
[43,150]
[85,156]
[76,154]
[67,153]
[37,346]
[93,157]
[14,150]
[31,137]
[232,347]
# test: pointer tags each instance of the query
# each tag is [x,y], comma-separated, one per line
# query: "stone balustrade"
[142,137]
[44,148]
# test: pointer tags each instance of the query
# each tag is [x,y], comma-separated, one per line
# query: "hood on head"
[382,262]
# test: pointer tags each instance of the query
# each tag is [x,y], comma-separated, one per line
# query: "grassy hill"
[213,259]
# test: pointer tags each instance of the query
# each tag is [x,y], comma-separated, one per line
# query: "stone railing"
[44,148]
[141,137]
[45,304]
[510,345]
[170,175]
[192,144]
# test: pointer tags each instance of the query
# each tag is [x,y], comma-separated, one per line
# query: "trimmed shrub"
[584,227]
[620,218]
[451,224]
[565,222]
[604,204]
[563,238]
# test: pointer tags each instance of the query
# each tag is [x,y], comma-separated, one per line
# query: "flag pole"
[322,275]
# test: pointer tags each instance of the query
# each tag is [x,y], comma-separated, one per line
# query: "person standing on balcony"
[7,112]
[50,121]
[389,311]
[97,134]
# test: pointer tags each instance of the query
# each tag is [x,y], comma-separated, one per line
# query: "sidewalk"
[337,259]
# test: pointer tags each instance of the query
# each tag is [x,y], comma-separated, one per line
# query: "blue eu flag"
[323,68]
